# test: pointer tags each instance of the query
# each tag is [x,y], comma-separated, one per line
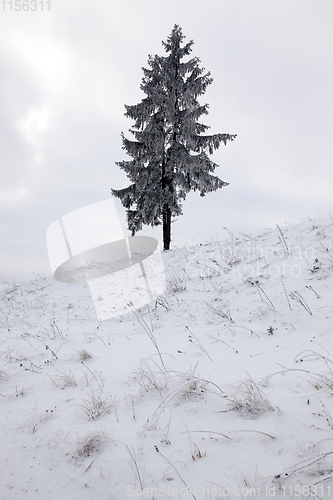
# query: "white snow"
[229,375]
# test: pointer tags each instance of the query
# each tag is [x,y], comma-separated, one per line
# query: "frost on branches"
[169,156]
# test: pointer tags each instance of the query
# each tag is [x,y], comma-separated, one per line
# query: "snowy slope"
[221,389]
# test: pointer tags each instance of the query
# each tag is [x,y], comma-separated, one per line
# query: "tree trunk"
[166,227]
[166,216]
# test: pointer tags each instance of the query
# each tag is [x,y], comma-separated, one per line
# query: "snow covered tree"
[169,156]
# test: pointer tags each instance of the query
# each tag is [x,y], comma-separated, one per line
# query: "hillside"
[222,388]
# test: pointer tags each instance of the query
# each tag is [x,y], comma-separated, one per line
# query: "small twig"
[312,353]
[101,388]
[220,312]
[197,343]
[208,432]
[259,432]
[28,369]
[148,330]
[174,468]
[263,291]
[166,400]
[42,341]
[283,240]
[115,410]
[314,291]
[52,380]
[136,467]
[311,463]
[299,298]
[244,327]
[90,465]
[259,288]
[100,338]
[321,481]
[151,320]
[266,379]
[55,327]
[285,291]
[328,416]
[188,433]
[166,439]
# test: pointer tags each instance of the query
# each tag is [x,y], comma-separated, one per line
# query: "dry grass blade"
[174,468]
[136,466]
[258,432]
[150,334]
[207,432]
[301,300]
[225,314]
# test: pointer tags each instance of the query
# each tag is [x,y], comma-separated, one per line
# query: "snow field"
[222,388]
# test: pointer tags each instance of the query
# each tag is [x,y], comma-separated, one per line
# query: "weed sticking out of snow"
[82,355]
[65,380]
[149,377]
[176,279]
[95,405]
[251,401]
[323,382]
[89,444]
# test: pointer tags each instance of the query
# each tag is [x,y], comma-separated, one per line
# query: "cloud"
[66,75]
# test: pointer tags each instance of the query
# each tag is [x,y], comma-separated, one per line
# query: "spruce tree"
[169,156]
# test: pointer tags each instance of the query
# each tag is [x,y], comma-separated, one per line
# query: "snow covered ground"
[222,388]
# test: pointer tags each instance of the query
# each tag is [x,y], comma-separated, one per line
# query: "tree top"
[175,40]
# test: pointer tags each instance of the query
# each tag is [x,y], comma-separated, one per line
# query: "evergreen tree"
[169,153]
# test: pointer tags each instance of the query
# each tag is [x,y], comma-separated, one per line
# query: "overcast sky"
[65,75]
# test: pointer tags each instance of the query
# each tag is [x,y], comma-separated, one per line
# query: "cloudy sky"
[65,75]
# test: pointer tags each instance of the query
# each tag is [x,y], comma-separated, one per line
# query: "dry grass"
[252,402]
[176,279]
[82,355]
[39,418]
[90,443]
[194,390]
[323,382]
[149,379]
[95,406]
[67,379]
